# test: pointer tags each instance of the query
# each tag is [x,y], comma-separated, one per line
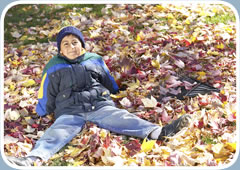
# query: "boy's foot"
[24,161]
[175,127]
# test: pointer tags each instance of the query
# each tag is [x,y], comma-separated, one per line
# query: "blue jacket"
[74,86]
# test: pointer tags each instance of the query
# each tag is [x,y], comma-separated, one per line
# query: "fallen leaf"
[16,34]
[149,103]
[147,146]
[125,102]
[29,83]
[9,139]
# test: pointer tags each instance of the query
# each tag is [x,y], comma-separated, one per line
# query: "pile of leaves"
[145,47]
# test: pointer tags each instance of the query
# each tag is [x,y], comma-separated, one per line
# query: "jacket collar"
[79,59]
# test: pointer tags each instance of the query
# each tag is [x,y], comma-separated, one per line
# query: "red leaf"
[223,98]
[107,141]
[165,117]
[133,146]
[203,102]
[187,43]
[94,142]
[141,74]
[34,125]
[199,124]
[85,140]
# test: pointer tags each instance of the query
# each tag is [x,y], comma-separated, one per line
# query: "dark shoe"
[24,161]
[175,127]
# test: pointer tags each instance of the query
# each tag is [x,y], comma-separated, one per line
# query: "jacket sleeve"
[46,95]
[107,80]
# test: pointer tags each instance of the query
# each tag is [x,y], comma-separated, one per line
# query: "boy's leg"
[57,135]
[122,122]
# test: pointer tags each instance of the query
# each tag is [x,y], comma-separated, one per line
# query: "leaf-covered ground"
[145,47]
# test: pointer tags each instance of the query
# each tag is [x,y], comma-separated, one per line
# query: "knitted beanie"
[69,30]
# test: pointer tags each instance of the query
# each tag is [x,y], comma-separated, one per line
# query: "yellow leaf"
[163,54]
[215,10]
[75,22]
[213,52]
[202,13]
[74,151]
[200,148]
[114,40]
[228,29]
[29,83]
[231,146]
[155,64]
[15,62]
[133,86]
[131,161]
[159,8]
[222,151]
[187,22]
[78,163]
[12,86]
[103,134]
[119,95]
[147,145]
[173,22]
[140,36]
[220,46]
[222,92]
[194,38]
[201,74]
[224,103]
[165,153]
[23,38]
[180,27]
[91,28]
[170,16]
[147,162]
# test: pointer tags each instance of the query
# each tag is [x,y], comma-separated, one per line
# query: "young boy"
[76,86]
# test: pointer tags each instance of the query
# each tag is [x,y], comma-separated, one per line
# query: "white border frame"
[114,2]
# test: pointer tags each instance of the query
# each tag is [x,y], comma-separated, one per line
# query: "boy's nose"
[72,46]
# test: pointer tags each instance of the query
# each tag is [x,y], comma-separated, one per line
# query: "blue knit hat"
[69,30]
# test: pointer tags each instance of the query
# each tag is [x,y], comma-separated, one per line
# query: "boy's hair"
[69,30]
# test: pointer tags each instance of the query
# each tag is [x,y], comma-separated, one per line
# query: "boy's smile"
[71,47]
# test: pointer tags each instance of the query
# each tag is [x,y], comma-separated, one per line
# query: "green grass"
[224,18]
[59,162]
[208,140]
[16,18]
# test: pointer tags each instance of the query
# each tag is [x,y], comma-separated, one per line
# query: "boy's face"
[71,47]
